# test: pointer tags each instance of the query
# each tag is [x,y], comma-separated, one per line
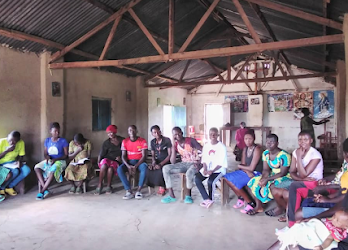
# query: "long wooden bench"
[224,189]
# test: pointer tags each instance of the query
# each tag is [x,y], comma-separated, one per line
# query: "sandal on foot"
[2,197]
[209,203]
[10,191]
[78,190]
[282,218]
[272,212]
[168,199]
[72,190]
[251,212]
[46,193]
[97,191]
[188,200]
[108,190]
[246,209]
[239,204]
[39,197]
[161,191]
[203,203]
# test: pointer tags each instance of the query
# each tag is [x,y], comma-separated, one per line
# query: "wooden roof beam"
[298,13]
[267,79]
[110,37]
[90,33]
[198,26]
[209,53]
[146,32]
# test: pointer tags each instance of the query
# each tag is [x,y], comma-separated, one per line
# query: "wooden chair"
[224,189]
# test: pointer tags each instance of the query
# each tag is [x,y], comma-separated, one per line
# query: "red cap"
[112,129]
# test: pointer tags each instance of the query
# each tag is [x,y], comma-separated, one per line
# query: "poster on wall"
[302,100]
[280,102]
[324,104]
[240,103]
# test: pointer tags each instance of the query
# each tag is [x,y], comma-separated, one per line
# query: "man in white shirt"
[214,160]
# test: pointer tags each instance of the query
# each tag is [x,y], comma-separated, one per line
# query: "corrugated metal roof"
[64,21]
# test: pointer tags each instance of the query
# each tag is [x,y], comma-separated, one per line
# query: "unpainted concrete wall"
[20,98]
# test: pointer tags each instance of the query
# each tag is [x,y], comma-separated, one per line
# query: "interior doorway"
[213,117]
[173,116]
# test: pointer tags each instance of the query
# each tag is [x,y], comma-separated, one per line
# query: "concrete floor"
[107,222]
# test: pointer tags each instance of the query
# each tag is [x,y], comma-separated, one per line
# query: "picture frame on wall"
[255,101]
[56,91]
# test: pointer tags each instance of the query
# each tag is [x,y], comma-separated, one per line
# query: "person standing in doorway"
[189,150]
[134,151]
[240,144]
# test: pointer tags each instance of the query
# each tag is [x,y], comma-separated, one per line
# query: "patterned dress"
[3,174]
[83,171]
[264,194]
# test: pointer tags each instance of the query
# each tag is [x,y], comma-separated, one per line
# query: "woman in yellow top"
[80,167]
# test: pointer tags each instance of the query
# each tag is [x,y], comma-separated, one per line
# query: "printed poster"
[240,103]
[302,100]
[324,104]
[280,102]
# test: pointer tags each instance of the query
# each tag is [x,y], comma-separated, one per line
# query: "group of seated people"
[294,181]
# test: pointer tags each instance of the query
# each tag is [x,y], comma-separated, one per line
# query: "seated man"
[188,148]
[301,189]
[12,152]
[133,158]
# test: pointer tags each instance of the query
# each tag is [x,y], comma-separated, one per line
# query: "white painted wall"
[282,123]
[170,96]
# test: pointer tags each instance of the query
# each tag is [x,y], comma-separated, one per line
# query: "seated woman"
[5,176]
[55,152]
[12,153]
[250,167]
[306,165]
[109,159]
[214,160]
[80,167]
[300,190]
[161,150]
[276,163]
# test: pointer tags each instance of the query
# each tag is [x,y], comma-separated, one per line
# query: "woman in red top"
[240,145]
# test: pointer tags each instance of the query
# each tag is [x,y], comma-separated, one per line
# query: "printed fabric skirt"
[79,172]
[264,193]
[239,178]
[3,174]
[57,168]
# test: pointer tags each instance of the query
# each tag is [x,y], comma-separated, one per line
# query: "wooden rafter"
[298,13]
[184,71]
[171,22]
[246,21]
[209,53]
[100,26]
[146,32]
[215,69]
[110,37]
[198,26]
[267,79]
[228,69]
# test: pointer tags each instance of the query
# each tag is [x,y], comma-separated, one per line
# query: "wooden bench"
[224,189]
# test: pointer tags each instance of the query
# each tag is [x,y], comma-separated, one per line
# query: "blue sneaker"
[39,197]
[188,199]
[46,193]
[168,199]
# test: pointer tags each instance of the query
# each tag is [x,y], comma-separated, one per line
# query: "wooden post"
[344,92]
[341,105]
[171,27]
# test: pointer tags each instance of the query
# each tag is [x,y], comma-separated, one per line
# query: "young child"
[315,234]
[56,152]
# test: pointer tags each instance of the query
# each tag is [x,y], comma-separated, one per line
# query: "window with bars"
[101,113]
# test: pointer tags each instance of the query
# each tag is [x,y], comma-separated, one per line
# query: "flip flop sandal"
[72,190]
[252,212]
[282,218]
[209,203]
[46,193]
[108,190]
[203,203]
[272,213]
[97,191]
[246,209]
[239,204]
[78,190]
